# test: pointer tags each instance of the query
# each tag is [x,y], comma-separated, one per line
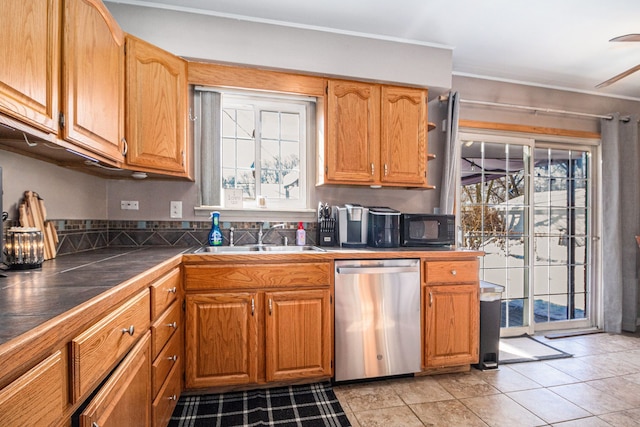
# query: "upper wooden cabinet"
[93,79]
[30,51]
[376,135]
[352,150]
[403,136]
[156,127]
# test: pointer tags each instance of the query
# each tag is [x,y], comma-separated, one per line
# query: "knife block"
[327,232]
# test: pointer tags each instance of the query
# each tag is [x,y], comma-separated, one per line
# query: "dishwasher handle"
[376,270]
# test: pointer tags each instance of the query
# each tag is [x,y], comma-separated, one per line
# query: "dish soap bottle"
[215,236]
[300,235]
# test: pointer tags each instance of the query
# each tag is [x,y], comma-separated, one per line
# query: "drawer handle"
[173,325]
[430,299]
[270,306]
[253,306]
[173,358]
[174,397]
[95,424]
[172,290]
[453,272]
[129,331]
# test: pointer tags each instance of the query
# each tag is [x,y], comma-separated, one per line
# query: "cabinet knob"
[253,306]
[173,358]
[173,397]
[386,170]
[270,306]
[172,290]
[373,169]
[173,325]
[453,272]
[129,330]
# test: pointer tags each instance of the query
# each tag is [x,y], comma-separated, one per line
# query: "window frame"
[275,209]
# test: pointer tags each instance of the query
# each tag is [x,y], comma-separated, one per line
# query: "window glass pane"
[270,125]
[290,127]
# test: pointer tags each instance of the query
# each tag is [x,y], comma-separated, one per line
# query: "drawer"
[451,271]
[252,276]
[169,356]
[166,401]
[96,351]
[37,398]
[123,400]
[164,327]
[164,291]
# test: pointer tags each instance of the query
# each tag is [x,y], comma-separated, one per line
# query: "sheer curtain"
[620,223]
[451,168]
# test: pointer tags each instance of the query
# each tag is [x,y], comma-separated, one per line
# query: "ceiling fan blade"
[620,76]
[626,38]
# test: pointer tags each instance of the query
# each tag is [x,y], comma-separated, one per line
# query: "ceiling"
[561,44]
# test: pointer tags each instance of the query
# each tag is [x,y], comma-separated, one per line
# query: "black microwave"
[427,230]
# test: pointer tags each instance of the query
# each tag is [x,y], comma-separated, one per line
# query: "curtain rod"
[526,107]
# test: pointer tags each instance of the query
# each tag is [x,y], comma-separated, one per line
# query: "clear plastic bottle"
[215,236]
[300,235]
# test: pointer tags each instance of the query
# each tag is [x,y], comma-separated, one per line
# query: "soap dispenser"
[215,236]
[300,235]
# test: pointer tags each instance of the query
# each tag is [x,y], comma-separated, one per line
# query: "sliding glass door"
[527,205]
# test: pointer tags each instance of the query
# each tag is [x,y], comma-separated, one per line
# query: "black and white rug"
[313,405]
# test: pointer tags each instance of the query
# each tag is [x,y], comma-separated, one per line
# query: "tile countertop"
[29,298]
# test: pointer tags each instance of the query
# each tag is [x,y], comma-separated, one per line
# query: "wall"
[271,46]
[67,194]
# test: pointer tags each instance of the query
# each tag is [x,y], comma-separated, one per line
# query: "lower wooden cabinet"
[38,397]
[125,398]
[277,332]
[298,334]
[167,398]
[221,339]
[451,314]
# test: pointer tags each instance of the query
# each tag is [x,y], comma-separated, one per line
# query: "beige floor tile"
[583,368]
[420,389]
[621,388]
[548,405]
[623,419]
[543,374]
[591,399]
[466,385]
[367,396]
[401,416]
[584,422]
[450,413]
[506,379]
[499,410]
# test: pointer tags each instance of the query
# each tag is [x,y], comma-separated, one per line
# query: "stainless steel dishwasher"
[377,318]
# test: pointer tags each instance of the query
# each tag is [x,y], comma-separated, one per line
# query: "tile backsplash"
[83,235]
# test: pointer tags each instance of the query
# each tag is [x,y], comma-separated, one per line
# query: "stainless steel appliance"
[377,318]
[352,225]
[427,230]
[384,228]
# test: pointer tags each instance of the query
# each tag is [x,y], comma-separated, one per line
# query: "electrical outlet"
[129,205]
[176,209]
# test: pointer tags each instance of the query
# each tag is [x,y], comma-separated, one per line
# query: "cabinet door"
[403,136]
[93,79]
[156,109]
[30,52]
[221,339]
[125,399]
[38,397]
[452,324]
[352,147]
[298,334]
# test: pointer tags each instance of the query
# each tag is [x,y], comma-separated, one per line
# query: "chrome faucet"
[263,234]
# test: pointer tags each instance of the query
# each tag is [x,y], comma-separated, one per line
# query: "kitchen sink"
[258,248]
